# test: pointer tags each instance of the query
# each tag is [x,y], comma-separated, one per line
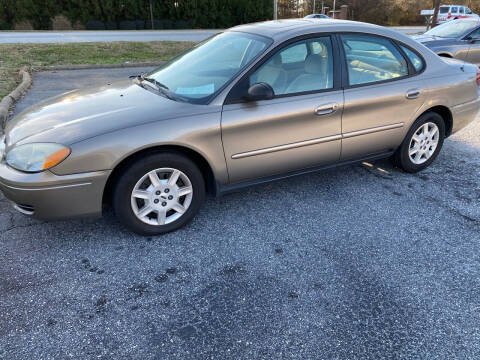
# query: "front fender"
[200,133]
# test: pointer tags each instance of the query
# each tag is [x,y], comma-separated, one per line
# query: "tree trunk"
[151,15]
[433,22]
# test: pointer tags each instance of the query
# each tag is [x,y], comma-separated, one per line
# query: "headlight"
[36,157]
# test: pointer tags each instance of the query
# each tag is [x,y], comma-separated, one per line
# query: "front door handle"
[413,94]
[326,109]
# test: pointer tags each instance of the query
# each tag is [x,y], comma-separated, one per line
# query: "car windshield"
[453,29]
[198,74]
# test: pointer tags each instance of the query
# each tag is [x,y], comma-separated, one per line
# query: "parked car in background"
[458,39]
[253,104]
[454,12]
[317,16]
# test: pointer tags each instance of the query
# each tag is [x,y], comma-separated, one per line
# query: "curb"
[14,96]
[97,66]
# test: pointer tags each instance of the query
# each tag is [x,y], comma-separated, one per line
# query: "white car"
[454,12]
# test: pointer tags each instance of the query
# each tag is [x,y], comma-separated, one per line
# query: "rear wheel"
[422,144]
[159,193]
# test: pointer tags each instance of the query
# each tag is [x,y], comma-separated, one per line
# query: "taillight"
[449,16]
[478,76]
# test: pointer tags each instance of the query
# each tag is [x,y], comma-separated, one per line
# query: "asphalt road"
[361,262]
[109,36]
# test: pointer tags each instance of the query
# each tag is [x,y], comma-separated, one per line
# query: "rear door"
[381,96]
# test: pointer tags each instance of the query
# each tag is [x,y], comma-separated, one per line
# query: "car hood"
[429,40]
[82,114]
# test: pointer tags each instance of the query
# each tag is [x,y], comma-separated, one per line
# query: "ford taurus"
[255,103]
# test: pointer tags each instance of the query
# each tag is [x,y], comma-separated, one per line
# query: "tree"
[8,14]
[436,7]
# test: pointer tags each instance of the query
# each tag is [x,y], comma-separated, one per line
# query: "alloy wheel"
[161,196]
[424,142]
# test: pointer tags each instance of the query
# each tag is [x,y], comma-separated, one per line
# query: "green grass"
[14,56]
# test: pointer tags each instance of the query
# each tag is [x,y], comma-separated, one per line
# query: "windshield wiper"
[137,77]
[142,77]
[158,83]
[161,88]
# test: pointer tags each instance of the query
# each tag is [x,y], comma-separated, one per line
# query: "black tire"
[401,157]
[121,199]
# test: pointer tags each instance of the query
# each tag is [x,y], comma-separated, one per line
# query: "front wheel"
[159,193]
[422,144]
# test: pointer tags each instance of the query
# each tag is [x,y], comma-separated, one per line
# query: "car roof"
[280,30]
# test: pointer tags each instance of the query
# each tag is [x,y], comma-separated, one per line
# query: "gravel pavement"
[360,262]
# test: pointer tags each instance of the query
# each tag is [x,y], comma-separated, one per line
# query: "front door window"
[304,66]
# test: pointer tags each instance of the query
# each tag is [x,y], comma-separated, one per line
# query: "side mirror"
[260,91]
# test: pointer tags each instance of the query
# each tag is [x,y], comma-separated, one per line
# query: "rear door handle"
[326,109]
[413,94]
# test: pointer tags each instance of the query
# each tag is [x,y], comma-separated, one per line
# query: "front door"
[474,49]
[299,128]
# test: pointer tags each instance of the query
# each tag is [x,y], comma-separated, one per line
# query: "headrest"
[323,51]
[314,64]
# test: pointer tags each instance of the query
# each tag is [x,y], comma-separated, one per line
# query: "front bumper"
[48,196]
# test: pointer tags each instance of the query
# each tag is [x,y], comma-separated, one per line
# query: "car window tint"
[475,34]
[200,72]
[414,58]
[294,53]
[312,71]
[371,59]
[452,29]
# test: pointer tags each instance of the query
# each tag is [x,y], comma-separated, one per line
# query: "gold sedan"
[253,104]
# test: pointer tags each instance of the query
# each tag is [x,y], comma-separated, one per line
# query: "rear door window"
[475,34]
[416,60]
[372,59]
[454,10]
